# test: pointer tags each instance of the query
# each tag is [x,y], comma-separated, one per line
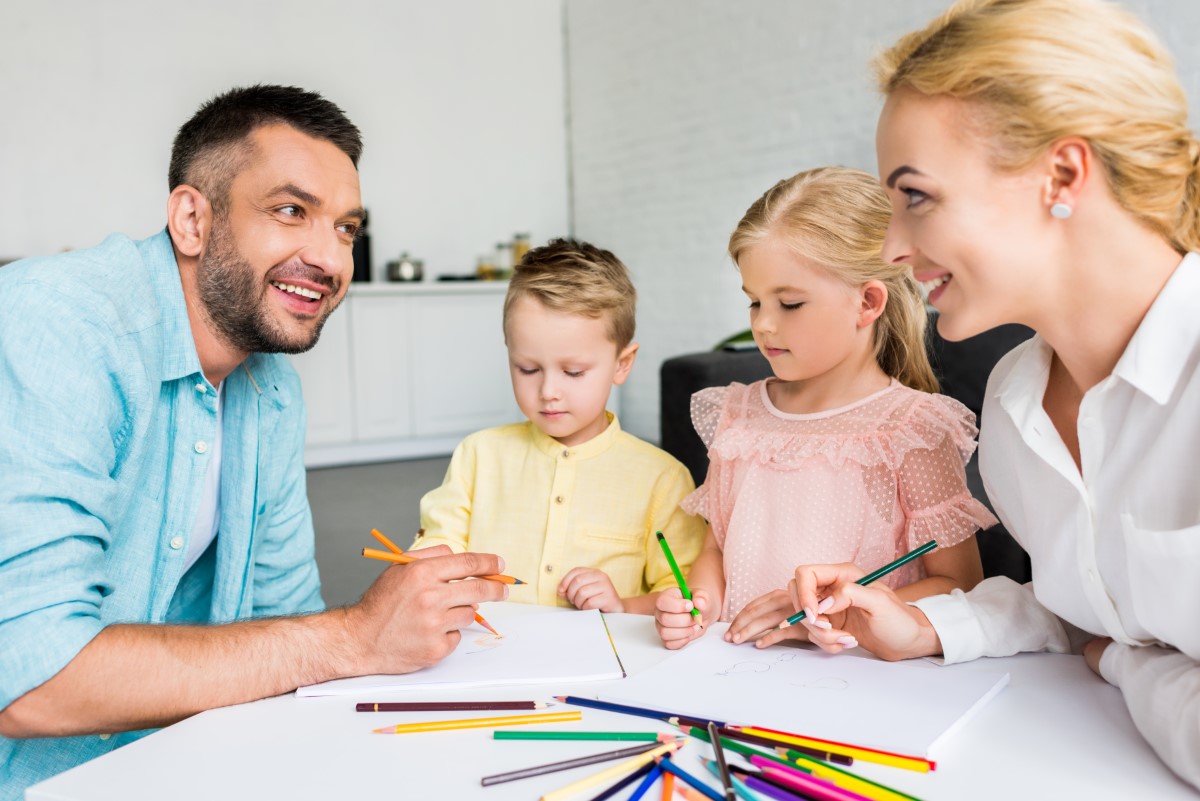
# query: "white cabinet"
[405,371]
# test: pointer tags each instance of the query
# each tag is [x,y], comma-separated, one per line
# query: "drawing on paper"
[487,642]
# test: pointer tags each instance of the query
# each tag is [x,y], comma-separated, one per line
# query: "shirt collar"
[585,450]
[179,357]
[1158,352]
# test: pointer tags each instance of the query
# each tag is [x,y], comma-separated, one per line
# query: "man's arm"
[133,677]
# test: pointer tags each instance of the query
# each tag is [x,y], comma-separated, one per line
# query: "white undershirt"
[208,519]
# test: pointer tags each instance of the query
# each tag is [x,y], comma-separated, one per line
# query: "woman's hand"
[761,617]
[1093,652]
[841,614]
[673,618]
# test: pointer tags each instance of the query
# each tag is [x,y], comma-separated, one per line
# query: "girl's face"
[978,239]
[805,321]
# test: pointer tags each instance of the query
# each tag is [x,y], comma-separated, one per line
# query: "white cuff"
[956,625]
[1110,662]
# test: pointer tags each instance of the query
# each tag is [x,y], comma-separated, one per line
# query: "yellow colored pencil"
[480,723]
[855,784]
[864,754]
[620,769]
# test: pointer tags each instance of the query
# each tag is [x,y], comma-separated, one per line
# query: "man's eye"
[291,211]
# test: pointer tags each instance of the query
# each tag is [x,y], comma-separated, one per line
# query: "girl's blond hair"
[1036,71]
[837,217]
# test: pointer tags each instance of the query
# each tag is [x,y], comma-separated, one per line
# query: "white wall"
[460,103]
[683,113]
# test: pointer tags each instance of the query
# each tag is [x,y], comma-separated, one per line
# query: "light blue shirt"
[105,425]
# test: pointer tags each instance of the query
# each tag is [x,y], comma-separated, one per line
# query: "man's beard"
[235,301]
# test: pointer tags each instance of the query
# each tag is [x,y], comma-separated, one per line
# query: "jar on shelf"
[520,246]
[485,267]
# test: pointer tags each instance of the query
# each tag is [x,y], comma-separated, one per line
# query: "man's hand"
[841,614]
[411,616]
[760,617]
[673,616]
[589,588]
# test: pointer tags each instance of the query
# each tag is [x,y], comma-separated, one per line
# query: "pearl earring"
[1060,211]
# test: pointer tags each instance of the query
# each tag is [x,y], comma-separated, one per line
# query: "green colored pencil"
[643,736]
[867,579]
[683,587]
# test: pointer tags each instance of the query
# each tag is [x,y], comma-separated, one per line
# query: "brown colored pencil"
[448,706]
[567,764]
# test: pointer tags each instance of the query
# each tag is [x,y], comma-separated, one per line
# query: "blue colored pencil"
[641,712]
[670,767]
[623,783]
[646,784]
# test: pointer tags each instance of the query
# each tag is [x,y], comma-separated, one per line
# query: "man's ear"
[189,220]
[625,360]
[872,299]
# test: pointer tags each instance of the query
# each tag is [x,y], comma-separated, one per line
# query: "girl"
[1042,171]
[846,455]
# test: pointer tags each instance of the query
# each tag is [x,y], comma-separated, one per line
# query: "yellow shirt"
[547,508]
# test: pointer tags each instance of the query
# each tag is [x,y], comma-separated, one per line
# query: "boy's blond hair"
[577,278]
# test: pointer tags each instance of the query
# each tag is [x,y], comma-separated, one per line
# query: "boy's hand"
[673,616]
[589,588]
[760,617]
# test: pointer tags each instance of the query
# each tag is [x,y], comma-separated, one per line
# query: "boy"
[570,500]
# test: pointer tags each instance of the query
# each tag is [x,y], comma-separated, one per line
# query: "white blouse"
[1115,545]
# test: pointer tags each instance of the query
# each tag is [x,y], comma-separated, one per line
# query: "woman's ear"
[189,219]
[1068,167]
[625,360]
[873,296]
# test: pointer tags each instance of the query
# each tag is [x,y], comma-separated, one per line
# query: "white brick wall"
[682,113]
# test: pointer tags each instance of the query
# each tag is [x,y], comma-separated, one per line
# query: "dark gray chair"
[962,369]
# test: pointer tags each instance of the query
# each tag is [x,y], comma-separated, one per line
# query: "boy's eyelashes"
[534,370]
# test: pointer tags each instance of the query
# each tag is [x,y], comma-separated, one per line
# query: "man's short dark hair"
[212,147]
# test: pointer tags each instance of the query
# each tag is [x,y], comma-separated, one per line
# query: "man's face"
[279,261]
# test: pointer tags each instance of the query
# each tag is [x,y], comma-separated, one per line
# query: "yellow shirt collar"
[585,450]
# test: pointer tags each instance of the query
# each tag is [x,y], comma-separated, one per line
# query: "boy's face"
[563,367]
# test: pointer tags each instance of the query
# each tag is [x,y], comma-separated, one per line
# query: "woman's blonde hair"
[837,217]
[1039,70]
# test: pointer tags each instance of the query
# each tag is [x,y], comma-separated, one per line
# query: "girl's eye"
[754,304]
[527,370]
[790,306]
[573,373]
[915,197]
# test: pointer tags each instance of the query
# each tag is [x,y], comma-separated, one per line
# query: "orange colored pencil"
[391,546]
[668,780]
[404,559]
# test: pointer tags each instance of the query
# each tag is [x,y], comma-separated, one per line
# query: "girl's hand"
[589,588]
[673,618]
[760,617]
[841,614]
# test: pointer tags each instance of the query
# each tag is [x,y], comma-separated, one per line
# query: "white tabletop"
[1057,731]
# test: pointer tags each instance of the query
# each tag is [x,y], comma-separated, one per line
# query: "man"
[151,442]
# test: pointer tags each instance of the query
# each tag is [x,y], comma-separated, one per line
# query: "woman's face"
[977,238]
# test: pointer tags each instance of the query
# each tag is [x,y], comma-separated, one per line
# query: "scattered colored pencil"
[394,548]
[479,723]
[647,736]
[446,706]
[714,740]
[566,764]
[613,789]
[739,786]
[619,769]
[708,792]
[772,791]
[647,782]
[668,789]
[733,745]
[806,785]
[816,753]
[851,781]
[683,587]
[872,576]
[641,712]
[919,764]
[404,559]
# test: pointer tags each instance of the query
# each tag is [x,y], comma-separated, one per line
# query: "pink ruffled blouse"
[864,483]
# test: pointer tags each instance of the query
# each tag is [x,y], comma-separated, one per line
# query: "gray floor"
[347,502]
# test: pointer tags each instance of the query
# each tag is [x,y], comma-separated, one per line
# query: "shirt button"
[201,388]
[549,568]
[105,736]
[566,454]
[177,542]
[201,446]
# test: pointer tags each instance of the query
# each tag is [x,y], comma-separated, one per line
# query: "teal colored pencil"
[872,576]
[643,736]
[683,587]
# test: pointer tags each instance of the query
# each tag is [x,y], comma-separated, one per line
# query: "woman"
[1042,172]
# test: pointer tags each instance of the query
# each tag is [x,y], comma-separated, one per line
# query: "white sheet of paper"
[889,706]
[535,649]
